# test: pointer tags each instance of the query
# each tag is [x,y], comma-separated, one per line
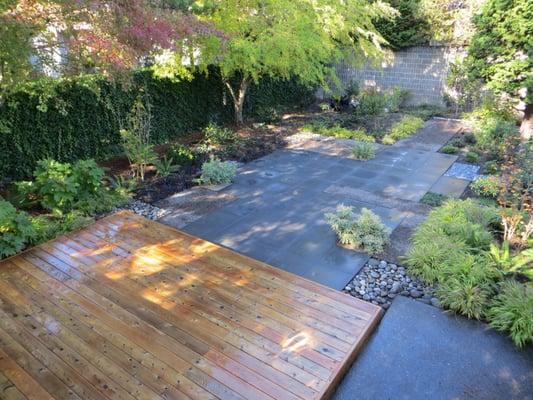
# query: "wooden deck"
[133,309]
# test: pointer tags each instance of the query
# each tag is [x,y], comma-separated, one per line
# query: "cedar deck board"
[132,309]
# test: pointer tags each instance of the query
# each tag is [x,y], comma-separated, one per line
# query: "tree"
[501,53]
[286,38]
[86,36]
[408,28]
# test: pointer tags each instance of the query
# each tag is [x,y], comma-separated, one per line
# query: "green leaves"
[16,229]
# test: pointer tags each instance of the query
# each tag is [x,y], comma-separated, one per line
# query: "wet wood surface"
[132,309]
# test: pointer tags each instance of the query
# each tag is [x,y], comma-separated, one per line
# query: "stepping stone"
[451,187]
[463,171]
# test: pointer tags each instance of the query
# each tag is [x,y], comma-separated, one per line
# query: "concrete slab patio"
[421,352]
[279,202]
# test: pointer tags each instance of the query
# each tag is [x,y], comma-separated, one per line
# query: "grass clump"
[449,149]
[364,151]
[364,231]
[433,199]
[472,157]
[338,131]
[403,129]
[512,311]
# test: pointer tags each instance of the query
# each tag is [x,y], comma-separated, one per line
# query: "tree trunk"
[238,98]
[526,128]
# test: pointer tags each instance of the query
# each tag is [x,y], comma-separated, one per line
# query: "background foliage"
[79,118]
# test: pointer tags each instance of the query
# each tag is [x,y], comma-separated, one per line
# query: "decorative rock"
[396,286]
[373,262]
[380,282]
[435,302]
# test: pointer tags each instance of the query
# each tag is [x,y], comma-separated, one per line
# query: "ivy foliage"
[79,118]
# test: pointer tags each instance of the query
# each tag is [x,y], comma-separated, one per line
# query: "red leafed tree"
[77,36]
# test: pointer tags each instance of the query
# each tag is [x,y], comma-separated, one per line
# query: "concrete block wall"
[421,70]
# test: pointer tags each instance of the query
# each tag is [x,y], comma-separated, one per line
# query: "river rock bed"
[379,282]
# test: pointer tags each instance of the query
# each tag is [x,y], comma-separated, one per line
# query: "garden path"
[274,211]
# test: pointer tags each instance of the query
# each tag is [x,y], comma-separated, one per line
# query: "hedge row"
[73,119]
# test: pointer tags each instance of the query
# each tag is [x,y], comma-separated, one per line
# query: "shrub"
[395,98]
[371,103]
[449,149]
[450,233]
[322,128]
[55,118]
[388,139]
[424,111]
[63,187]
[405,128]
[472,157]
[469,291]
[217,136]
[181,155]
[48,227]
[486,186]
[136,139]
[16,230]
[491,167]
[165,167]
[364,151]
[433,199]
[512,311]
[364,231]
[457,142]
[215,172]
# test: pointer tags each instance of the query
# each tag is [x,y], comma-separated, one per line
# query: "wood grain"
[132,309]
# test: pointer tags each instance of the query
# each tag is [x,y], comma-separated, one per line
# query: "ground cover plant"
[363,231]
[216,172]
[457,249]
[364,151]
[403,129]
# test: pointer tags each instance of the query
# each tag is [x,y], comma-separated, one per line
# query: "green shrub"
[433,199]
[364,151]
[491,167]
[181,155]
[80,118]
[16,230]
[449,149]
[63,187]
[468,291]
[395,98]
[472,157]
[48,227]
[215,172]
[364,231]
[428,256]
[165,167]
[424,111]
[338,131]
[486,186]
[457,142]
[218,136]
[388,139]
[404,128]
[371,103]
[512,311]
[450,233]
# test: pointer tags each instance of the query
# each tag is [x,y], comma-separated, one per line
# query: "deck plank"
[132,309]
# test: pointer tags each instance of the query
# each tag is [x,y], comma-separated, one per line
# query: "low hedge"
[72,119]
